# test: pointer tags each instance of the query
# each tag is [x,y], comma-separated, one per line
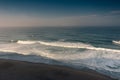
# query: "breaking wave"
[26,42]
[67,45]
[116,42]
[57,44]
[68,52]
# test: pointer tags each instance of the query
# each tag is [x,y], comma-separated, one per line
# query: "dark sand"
[18,70]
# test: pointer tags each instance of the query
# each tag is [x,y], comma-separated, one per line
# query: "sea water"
[96,48]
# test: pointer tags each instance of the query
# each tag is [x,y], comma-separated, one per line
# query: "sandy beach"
[19,70]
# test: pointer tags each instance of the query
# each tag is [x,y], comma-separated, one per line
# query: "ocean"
[96,48]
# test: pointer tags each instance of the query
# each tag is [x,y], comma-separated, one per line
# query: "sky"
[20,13]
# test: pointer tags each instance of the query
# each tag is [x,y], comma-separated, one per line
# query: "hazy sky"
[15,13]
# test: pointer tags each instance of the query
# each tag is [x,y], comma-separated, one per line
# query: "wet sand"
[19,70]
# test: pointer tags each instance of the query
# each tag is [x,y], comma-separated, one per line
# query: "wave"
[57,44]
[67,52]
[116,42]
[26,42]
[68,45]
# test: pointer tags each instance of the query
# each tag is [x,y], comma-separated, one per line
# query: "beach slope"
[19,70]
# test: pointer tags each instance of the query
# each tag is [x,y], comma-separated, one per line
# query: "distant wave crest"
[116,42]
[57,44]
[26,42]
[67,45]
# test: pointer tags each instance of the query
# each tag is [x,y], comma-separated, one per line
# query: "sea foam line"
[116,42]
[68,45]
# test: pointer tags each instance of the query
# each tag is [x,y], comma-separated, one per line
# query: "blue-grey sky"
[59,13]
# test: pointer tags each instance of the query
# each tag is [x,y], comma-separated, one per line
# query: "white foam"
[104,49]
[68,45]
[76,45]
[26,42]
[93,57]
[116,42]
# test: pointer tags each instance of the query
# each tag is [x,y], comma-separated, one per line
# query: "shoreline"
[22,70]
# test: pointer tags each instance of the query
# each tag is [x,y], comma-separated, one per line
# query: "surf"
[26,42]
[68,45]
[116,42]
[67,52]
